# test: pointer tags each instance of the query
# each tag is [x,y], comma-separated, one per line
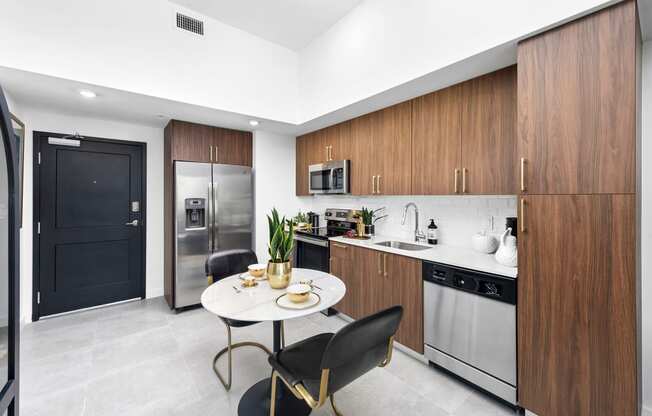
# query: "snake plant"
[281,238]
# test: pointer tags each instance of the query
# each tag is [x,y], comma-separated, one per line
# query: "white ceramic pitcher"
[507,254]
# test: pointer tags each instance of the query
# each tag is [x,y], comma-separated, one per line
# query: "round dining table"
[227,298]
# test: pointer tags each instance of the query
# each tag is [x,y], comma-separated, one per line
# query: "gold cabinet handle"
[385,265]
[340,245]
[373,184]
[522,219]
[210,157]
[330,152]
[217,148]
[378,184]
[380,264]
[464,180]
[457,174]
[523,189]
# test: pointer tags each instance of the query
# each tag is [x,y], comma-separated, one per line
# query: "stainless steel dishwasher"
[470,326]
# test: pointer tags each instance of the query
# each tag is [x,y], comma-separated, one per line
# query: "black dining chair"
[316,368]
[218,266]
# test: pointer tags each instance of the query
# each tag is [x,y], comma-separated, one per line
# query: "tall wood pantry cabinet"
[577,135]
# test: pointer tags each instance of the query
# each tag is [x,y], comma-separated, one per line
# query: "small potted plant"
[369,218]
[281,243]
[301,221]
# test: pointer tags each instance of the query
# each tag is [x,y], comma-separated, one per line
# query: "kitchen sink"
[402,246]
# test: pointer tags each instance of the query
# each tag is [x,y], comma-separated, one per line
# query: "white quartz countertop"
[453,256]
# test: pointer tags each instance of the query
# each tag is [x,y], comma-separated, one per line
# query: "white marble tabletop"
[259,303]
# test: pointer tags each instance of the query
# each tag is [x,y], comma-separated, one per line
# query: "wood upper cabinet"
[232,147]
[577,305]
[382,159]
[577,105]
[489,134]
[199,143]
[190,142]
[336,141]
[436,142]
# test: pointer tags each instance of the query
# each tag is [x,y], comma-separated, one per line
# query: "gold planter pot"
[279,274]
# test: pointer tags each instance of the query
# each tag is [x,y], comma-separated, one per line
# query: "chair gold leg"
[229,350]
[335,410]
[272,401]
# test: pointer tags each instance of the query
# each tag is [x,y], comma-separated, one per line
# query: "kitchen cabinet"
[335,141]
[577,98]
[488,149]
[232,147]
[382,157]
[199,143]
[341,265]
[302,163]
[437,142]
[375,281]
[577,305]
[190,142]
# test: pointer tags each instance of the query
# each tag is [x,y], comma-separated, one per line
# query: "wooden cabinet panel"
[577,105]
[405,284]
[302,163]
[190,142]
[436,142]
[338,143]
[232,147]
[363,166]
[393,150]
[341,266]
[489,134]
[577,305]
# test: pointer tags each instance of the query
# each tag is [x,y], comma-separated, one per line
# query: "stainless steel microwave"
[330,177]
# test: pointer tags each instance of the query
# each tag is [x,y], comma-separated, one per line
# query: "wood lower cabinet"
[375,281]
[577,99]
[577,305]
[488,149]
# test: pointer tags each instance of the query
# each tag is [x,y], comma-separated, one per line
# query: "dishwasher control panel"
[488,285]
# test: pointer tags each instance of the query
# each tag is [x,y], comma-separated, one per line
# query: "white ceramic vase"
[507,254]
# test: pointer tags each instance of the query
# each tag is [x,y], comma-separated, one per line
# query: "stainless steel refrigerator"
[213,212]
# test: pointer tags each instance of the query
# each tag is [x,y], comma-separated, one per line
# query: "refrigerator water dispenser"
[195,213]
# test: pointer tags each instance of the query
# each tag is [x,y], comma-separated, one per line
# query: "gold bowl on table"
[299,292]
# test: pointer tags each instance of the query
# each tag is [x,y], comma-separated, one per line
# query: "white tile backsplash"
[458,217]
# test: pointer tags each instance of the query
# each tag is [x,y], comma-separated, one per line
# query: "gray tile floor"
[140,359]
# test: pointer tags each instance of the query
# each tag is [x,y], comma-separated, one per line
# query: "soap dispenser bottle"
[432,232]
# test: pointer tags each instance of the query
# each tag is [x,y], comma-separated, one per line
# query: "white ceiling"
[62,96]
[291,23]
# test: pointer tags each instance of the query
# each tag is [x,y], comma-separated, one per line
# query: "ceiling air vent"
[190,24]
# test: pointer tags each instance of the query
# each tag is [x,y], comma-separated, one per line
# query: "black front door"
[90,209]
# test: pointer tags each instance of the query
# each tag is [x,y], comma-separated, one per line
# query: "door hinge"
[38,227]
[38,297]
[39,158]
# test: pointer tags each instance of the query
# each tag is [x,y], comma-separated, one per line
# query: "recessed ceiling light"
[253,123]
[87,94]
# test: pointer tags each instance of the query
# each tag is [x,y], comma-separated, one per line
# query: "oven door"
[312,253]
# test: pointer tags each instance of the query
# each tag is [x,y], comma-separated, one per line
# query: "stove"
[338,223]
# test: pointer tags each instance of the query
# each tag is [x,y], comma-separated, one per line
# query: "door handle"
[210,157]
[380,263]
[378,186]
[464,180]
[522,220]
[456,173]
[523,189]
[385,265]
[133,223]
[373,184]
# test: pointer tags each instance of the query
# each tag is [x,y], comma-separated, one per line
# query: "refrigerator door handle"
[214,219]
[210,217]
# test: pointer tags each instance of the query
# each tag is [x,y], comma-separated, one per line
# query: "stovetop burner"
[323,232]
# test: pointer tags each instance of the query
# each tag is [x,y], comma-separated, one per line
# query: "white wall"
[39,120]
[384,43]
[457,217]
[274,178]
[646,228]
[135,46]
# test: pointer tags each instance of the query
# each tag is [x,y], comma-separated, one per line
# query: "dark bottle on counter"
[432,233]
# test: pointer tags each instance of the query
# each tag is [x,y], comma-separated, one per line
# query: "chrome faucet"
[418,234]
